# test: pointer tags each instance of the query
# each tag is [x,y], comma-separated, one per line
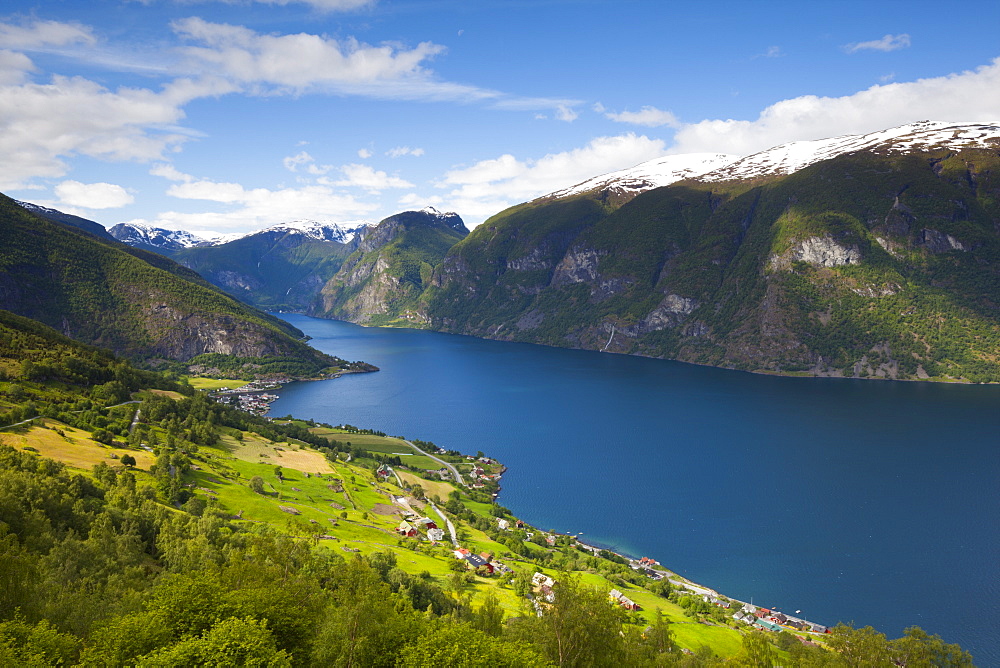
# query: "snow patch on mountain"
[651,174]
[318,230]
[138,233]
[921,136]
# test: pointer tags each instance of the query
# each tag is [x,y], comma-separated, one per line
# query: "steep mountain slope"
[90,226]
[383,280]
[98,293]
[280,268]
[883,261]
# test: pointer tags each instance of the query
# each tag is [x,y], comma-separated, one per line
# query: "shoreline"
[697,589]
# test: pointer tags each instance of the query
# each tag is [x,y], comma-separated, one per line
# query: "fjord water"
[857,501]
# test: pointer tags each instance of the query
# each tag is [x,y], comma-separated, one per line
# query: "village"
[253,397]
[543,587]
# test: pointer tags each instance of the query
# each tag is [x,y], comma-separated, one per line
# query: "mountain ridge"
[137,304]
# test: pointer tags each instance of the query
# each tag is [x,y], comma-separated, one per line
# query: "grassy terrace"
[211,384]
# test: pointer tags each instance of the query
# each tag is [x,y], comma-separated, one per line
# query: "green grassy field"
[211,384]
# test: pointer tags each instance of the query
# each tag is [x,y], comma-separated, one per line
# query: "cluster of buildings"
[623,601]
[541,585]
[480,476]
[482,560]
[770,620]
[411,528]
[251,398]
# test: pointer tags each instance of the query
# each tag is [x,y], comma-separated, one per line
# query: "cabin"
[406,529]
[542,580]
[766,626]
[622,600]
[435,534]
[475,561]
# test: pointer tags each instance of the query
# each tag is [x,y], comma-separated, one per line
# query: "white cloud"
[770,52]
[295,63]
[300,61]
[492,185]
[92,195]
[966,96]
[566,113]
[364,176]
[169,172]
[364,153]
[400,151]
[41,124]
[40,34]
[257,207]
[307,162]
[887,43]
[648,116]
[14,67]
[325,5]
[212,191]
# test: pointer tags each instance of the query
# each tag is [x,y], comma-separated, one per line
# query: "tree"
[454,644]
[919,648]
[756,651]
[580,628]
[127,460]
[257,484]
[488,618]
[231,642]
[861,647]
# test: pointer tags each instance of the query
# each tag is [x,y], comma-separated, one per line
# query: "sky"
[227,116]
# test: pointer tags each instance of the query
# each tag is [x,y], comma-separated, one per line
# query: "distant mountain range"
[873,255]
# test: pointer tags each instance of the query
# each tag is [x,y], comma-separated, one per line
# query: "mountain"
[383,280]
[618,187]
[911,138]
[279,268]
[156,239]
[137,304]
[872,255]
[88,226]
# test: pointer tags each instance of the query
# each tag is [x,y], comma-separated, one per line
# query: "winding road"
[450,467]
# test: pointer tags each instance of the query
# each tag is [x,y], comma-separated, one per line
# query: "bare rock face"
[939,242]
[825,252]
[533,261]
[671,312]
[579,265]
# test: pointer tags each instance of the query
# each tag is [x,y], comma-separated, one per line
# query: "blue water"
[857,501]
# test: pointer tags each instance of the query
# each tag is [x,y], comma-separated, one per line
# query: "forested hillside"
[136,303]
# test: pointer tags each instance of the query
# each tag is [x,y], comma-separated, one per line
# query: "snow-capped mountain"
[148,236]
[449,218]
[650,174]
[921,136]
[137,234]
[318,230]
[784,159]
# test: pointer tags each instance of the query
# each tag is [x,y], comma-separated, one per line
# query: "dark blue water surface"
[857,501]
